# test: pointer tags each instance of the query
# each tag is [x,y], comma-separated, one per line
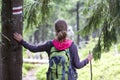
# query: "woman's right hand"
[17,36]
[90,56]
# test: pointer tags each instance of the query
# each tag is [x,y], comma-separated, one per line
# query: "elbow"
[81,64]
[78,67]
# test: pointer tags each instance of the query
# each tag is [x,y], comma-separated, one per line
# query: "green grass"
[107,68]
[26,67]
[41,74]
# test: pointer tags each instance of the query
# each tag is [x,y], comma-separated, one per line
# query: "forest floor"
[30,75]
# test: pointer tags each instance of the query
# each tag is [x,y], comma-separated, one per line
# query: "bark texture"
[11,52]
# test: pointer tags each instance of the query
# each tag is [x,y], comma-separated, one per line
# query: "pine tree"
[11,52]
[106,18]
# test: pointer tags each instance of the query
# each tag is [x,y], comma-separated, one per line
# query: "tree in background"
[36,18]
[105,17]
[56,10]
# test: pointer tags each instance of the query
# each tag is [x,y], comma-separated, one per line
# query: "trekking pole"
[90,68]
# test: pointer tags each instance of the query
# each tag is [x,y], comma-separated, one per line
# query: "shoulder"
[73,45]
[49,43]
[47,46]
[73,48]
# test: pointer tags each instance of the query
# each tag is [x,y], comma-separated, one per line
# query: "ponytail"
[61,36]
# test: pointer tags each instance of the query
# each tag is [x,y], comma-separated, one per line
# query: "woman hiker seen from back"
[62,46]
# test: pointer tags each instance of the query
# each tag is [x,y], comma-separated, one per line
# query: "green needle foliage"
[36,12]
[106,18]
[45,9]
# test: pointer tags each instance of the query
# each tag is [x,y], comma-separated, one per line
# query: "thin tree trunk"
[0,64]
[11,52]
[77,18]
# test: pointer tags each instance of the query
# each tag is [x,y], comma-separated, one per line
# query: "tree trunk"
[11,52]
[0,64]
[77,18]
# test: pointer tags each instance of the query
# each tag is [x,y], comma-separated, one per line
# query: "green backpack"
[59,63]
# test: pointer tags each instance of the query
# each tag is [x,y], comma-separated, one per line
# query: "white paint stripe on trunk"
[19,7]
